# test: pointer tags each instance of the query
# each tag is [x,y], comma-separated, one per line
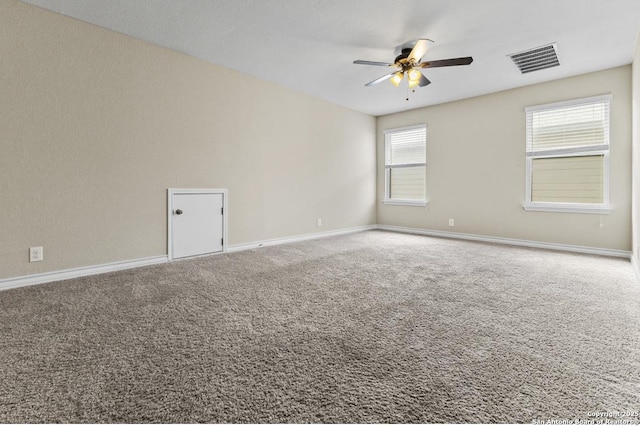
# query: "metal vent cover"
[535,59]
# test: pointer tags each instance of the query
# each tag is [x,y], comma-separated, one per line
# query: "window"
[405,165]
[568,156]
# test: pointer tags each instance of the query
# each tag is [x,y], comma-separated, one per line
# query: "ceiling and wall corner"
[310,45]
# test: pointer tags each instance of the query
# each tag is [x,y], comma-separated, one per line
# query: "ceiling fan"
[409,63]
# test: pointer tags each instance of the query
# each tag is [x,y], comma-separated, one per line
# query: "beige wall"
[96,126]
[636,151]
[476,166]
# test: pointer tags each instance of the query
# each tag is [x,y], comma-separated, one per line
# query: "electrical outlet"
[451,222]
[319,222]
[36,254]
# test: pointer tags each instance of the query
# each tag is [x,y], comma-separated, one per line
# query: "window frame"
[571,152]
[387,168]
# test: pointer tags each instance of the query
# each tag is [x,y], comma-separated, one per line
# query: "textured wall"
[96,126]
[476,166]
[636,151]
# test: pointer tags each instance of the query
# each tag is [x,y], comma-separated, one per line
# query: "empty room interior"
[310,211]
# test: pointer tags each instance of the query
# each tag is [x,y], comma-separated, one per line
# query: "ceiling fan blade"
[423,81]
[419,49]
[446,62]
[379,64]
[383,78]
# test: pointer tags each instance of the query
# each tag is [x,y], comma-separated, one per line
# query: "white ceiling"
[309,45]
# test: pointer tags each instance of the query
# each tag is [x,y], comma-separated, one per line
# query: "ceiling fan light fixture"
[414,75]
[409,62]
[397,78]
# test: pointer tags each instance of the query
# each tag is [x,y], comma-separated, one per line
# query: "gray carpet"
[368,327]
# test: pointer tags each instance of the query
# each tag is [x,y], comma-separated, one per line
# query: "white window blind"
[567,153]
[405,164]
[569,127]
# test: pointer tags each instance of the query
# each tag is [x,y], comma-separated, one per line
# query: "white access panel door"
[196,223]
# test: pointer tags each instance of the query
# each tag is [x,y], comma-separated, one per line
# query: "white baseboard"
[636,270]
[509,241]
[305,237]
[66,274]
[84,271]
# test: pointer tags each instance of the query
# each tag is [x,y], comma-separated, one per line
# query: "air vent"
[536,59]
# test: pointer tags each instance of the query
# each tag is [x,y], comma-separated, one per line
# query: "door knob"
[178,211]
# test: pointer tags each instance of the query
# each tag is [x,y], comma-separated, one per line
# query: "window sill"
[418,203]
[566,208]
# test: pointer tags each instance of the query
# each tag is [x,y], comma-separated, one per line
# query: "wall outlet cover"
[36,254]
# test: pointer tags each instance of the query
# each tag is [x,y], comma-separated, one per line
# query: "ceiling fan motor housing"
[404,55]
